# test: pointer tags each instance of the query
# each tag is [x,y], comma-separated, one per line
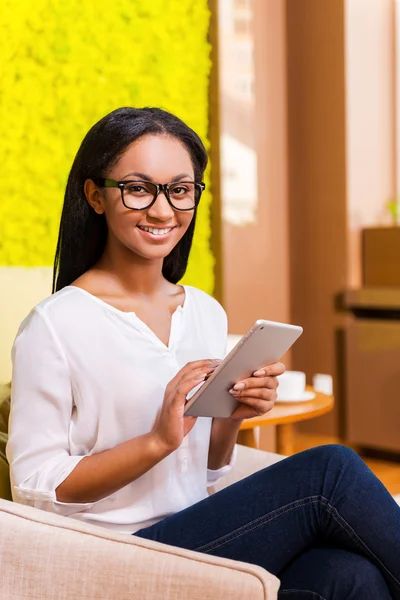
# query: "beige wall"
[20,290]
[317,181]
[325,120]
[341,123]
[256,257]
[370,119]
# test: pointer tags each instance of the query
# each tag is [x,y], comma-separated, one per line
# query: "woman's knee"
[338,455]
[335,574]
[335,464]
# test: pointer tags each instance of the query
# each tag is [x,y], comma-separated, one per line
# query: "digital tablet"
[265,343]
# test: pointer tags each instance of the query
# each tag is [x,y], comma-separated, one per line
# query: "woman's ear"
[94,197]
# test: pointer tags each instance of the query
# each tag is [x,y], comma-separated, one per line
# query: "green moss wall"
[63,65]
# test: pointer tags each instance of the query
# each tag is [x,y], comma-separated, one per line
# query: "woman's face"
[155,158]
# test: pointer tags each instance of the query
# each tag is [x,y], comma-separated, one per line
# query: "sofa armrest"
[248,461]
[45,556]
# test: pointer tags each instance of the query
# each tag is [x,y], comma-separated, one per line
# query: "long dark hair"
[83,233]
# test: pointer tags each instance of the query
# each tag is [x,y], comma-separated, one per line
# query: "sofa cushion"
[5,491]
[5,393]
[47,556]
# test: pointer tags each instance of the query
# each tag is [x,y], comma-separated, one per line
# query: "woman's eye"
[179,190]
[135,189]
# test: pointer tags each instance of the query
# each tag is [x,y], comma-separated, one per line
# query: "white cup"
[292,385]
[323,383]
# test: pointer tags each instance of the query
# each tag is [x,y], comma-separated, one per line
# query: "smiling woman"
[103,368]
[99,217]
[169,206]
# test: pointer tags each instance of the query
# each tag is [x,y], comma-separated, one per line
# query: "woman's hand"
[257,394]
[171,426]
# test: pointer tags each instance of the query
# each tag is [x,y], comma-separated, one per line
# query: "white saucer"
[304,397]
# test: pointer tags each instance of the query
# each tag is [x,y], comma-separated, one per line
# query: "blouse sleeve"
[215,475]
[40,417]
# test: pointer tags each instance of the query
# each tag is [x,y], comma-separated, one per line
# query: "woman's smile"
[158,234]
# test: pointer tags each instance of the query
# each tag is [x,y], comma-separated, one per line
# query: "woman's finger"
[195,366]
[185,386]
[272,370]
[260,396]
[197,373]
[256,382]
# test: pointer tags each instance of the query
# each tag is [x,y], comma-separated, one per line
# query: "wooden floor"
[387,471]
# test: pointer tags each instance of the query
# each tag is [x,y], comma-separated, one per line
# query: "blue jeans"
[319,520]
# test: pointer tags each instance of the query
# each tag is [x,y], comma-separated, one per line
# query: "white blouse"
[86,377]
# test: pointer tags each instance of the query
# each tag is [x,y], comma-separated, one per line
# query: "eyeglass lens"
[139,194]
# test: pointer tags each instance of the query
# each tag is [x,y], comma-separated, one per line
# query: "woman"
[103,366]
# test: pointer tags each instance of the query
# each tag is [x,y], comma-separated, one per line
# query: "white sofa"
[48,557]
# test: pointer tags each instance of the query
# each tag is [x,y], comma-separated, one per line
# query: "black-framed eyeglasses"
[139,194]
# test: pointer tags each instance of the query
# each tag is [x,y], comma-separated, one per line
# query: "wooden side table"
[284,416]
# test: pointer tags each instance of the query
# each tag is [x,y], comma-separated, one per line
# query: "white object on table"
[323,383]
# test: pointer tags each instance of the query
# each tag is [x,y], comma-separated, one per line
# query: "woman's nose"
[161,208]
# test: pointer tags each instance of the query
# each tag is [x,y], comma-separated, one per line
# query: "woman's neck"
[131,273]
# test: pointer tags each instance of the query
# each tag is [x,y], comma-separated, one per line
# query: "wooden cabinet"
[372,378]
[381,256]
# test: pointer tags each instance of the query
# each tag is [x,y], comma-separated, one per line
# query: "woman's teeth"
[156,231]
